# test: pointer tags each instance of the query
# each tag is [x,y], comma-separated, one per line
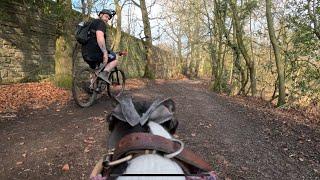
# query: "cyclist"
[95,51]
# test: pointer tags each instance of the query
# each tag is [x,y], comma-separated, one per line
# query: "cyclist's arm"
[101,42]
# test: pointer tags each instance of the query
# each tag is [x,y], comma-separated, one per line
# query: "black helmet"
[110,12]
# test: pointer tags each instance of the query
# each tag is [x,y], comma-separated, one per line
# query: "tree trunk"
[179,44]
[63,53]
[237,63]
[149,68]
[117,40]
[280,68]
[250,64]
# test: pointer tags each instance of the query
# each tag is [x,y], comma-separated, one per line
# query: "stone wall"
[27,43]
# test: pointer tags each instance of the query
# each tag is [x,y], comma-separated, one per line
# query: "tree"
[216,43]
[239,34]
[149,71]
[302,74]
[276,50]
[117,39]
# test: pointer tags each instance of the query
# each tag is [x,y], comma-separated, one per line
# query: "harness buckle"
[107,158]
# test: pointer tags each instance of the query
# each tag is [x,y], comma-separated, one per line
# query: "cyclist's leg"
[112,62]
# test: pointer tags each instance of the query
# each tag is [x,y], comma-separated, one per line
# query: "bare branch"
[135,3]
[125,3]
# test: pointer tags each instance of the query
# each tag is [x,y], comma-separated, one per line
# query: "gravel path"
[239,140]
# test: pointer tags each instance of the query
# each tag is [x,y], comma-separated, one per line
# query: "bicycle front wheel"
[117,80]
[83,95]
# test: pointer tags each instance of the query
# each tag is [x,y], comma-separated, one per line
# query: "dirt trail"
[240,141]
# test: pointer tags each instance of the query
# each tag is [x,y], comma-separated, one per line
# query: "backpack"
[83,32]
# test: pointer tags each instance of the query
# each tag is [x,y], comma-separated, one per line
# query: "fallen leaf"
[86,150]
[91,138]
[89,141]
[66,167]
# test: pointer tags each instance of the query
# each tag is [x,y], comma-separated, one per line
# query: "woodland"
[268,49]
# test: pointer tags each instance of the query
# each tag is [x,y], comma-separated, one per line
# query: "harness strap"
[143,141]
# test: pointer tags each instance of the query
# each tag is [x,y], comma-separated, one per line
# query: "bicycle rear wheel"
[117,79]
[82,94]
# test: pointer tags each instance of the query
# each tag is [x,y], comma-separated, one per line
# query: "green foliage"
[303,57]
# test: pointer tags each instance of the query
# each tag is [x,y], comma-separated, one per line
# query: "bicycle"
[86,85]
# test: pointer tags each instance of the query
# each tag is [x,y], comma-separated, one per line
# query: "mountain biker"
[95,51]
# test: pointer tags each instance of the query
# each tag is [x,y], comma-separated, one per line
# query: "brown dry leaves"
[137,83]
[300,115]
[31,95]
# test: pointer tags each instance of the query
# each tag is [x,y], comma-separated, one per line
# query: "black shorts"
[95,60]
